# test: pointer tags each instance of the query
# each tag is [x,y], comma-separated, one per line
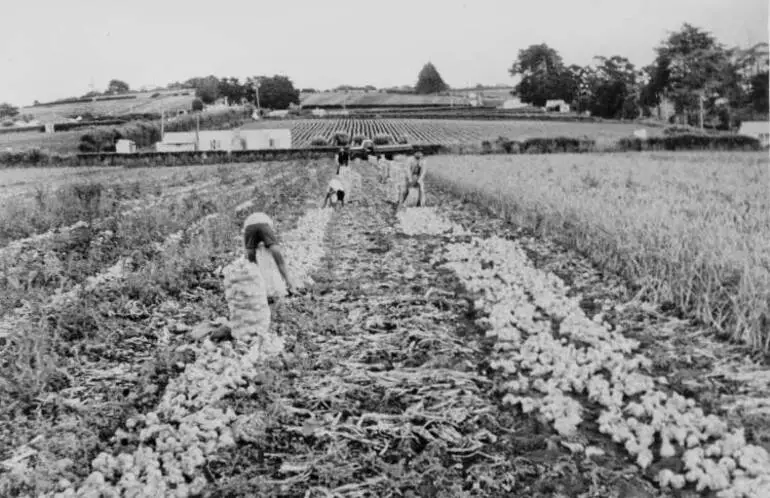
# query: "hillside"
[376,99]
[144,102]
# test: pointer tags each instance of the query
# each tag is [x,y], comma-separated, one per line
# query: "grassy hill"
[355,99]
[142,102]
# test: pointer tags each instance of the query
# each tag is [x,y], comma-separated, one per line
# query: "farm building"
[557,105]
[278,114]
[124,146]
[514,103]
[176,141]
[757,129]
[318,112]
[228,140]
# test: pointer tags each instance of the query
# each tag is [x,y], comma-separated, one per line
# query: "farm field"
[691,229]
[141,104]
[437,351]
[373,99]
[35,200]
[61,142]
[422,131]
[417,131]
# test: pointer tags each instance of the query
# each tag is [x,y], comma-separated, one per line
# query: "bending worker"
[258,228]
[415,177]
[336,187]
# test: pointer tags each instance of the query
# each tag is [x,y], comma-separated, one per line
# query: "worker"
[336,188]
[384,167]
[343,158]
[258,229]
[415,177]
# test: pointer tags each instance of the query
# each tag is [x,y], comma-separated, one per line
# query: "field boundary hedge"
[66,126]
[555,145]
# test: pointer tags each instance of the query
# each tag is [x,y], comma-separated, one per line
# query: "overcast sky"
[56,48]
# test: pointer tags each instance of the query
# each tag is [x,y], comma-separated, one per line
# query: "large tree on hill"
[207,88]
[759,92]
[275,92]
[691,67]
[117,87]
[429,80]
[8,111]
[543,76]
[232,89]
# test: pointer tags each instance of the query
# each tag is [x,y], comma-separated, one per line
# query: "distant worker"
[343,158]
[258,229]
[415,177]
[368,148]
[336,188]
[384,167]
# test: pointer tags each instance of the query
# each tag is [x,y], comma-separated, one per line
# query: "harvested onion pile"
[426,221]
[546,369]
[175,439]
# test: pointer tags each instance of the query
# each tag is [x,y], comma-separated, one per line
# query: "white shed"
[559,105]
[318,112]
[514,103]
[176,141]
[757,129]
[267,139]
[124,146]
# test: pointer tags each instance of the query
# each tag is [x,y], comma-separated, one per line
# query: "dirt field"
[433,352]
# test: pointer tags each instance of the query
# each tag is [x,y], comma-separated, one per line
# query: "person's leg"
[341,197]
[421,193]
[281,264]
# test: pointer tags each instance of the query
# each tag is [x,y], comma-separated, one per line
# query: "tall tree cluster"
[429,80]
[702,78]
[275,92]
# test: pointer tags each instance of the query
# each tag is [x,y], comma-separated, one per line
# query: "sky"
[54,49]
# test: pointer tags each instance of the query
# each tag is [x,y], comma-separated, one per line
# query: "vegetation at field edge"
[690,230]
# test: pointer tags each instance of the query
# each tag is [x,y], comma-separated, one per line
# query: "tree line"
[700,77]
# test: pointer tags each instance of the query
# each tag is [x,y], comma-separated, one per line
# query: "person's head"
[418,155]
[342,149]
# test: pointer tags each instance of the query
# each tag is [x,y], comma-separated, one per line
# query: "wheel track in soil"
[386,393]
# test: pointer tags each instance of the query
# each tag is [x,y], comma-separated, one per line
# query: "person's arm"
[326,199]
[422,170]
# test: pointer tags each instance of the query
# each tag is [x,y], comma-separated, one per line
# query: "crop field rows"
[441,131]
[433,352]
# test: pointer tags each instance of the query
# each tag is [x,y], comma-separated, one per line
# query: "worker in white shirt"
[384,167]
[336,188]
[415,177]
[258,229]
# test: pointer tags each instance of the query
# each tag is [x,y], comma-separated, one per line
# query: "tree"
[544,76]
[429,80]
[206,88]
[8,111]
[691,67]
[197,105]
[232,90]
[276,92]
[759,93]
[117,87]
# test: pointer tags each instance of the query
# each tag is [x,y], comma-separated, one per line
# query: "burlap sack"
[246,296]
[274,284]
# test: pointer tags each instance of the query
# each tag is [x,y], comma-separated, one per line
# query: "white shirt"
[336,185]
[255,218]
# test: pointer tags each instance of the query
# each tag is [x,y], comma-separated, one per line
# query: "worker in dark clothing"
[343,158]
